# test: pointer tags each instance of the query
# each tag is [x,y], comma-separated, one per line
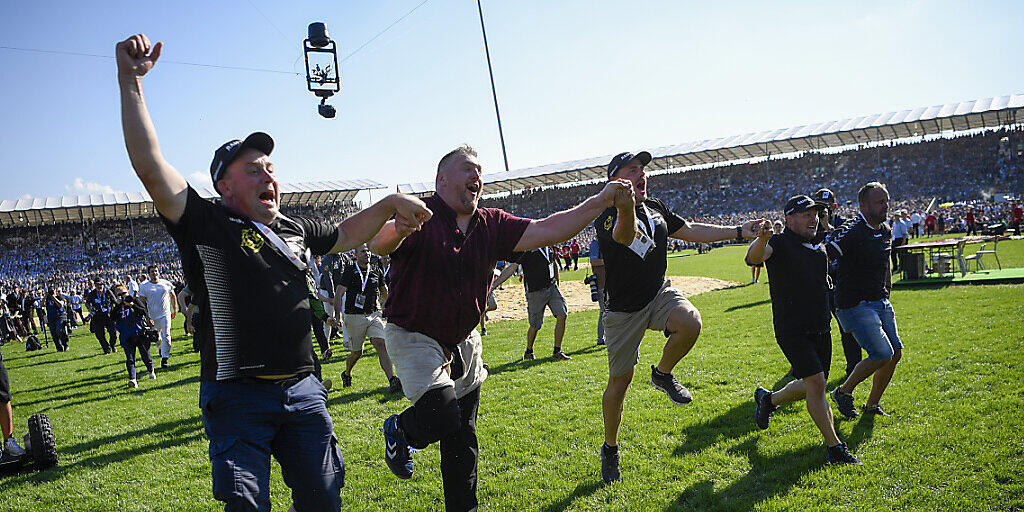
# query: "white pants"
[162,324]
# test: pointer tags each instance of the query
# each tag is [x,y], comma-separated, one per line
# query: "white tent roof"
[963,116]
[125,205]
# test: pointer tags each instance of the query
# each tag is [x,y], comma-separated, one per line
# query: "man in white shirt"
[900,233]
[915,225]
[133,286]
[158,295]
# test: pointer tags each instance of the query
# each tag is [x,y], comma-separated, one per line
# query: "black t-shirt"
[538,269]
[254,316]
[798,283]
[99,302]
[631,281]
[863,255]
[353,279]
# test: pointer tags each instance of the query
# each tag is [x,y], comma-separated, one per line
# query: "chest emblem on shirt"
[608,223]
[252,240]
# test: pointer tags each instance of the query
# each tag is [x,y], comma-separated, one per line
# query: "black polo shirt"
[353,282]
[798,284]
[863,261]
[253,302]
[99,303]
[538,268]
[631,282]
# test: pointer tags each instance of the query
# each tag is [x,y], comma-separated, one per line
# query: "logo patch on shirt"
[608,223]
[252,240]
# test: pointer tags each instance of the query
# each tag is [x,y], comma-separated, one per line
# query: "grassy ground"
[952,442]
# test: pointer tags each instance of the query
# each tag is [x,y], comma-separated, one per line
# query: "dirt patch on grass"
[512,299]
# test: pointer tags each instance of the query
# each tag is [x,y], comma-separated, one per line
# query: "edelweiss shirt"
[254,303]
[863,261]
[631,282]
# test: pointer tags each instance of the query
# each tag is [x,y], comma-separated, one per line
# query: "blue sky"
[575,79]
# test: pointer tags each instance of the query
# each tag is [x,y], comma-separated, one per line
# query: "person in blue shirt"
[132,325]
[56,318]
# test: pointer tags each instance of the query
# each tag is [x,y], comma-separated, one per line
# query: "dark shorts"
[5,385]
[808,353]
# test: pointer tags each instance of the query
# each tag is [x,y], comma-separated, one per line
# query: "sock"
[529,351]
[609,449]
[558,349]
[659,373]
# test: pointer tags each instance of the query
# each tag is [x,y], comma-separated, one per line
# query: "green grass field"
[953,441]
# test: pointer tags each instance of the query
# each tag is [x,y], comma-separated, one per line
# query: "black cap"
[231,149]
[824,196]
[798,204]
[623,159]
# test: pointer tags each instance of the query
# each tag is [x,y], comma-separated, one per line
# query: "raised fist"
[135,56]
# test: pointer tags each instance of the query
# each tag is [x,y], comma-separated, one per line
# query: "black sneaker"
[840,454]
[844,403]
[875,409]
[600,342]
[666,383]
[561,356]
[163,363]
[610,465]
[763,407]
[394,384]
[396,450]
[346,379]
[528,355]
[483,331]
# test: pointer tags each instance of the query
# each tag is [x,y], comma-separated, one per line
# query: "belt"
[279,382]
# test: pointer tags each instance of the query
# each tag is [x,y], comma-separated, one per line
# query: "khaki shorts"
[492,301]
[360,327]
[624,331]
[550,297]
[421,364]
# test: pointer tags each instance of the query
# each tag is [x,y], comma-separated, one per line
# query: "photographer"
[540,277]
[134,328]
[100,302]
[56,318]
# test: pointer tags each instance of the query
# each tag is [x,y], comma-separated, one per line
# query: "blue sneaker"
[396,451]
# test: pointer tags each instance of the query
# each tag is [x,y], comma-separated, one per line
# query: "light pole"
[494,92]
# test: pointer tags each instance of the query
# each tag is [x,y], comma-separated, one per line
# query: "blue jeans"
[873,324]
[247,421]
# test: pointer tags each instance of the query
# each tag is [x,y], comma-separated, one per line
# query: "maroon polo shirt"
[440,276]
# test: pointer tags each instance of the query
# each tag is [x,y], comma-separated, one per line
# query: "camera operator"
[100,301]
[597,286]
[133,326]
[56,317]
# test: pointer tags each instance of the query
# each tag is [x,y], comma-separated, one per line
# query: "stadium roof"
[131,205]
[922,121]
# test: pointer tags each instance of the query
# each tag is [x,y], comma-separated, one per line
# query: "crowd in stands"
[964,171]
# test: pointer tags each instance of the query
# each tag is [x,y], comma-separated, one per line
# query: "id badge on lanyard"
[360,301]
[643,242]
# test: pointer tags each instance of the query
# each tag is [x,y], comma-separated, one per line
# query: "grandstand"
[134,205]
[829,135]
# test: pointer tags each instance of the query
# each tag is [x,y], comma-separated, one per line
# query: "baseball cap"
[232,148]
[798,204]
[623,159]
[824,196]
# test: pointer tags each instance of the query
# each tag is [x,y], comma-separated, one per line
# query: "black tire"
[43,445]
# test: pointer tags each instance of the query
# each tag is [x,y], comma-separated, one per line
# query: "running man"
[799,288]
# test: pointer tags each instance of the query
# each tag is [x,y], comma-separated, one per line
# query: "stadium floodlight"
[322,76]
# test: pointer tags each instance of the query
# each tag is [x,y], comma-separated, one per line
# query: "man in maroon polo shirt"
[440,276]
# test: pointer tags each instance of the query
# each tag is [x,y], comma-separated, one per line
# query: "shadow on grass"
[768,476]
[40,363]
[344,397]
[748,305]
[735,422]
[582,490]
[90,396]
[171,433]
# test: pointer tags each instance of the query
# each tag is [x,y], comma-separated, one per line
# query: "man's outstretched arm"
[167,187]
[562,226]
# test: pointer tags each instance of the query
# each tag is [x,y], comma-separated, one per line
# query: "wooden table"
[931,247]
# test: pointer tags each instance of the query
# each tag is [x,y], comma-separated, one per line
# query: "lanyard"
[281,246]
[361,278]
[650,221]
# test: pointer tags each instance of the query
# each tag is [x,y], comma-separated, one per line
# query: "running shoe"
[667,383]
[875,409]
[844,403]
[763,407]
[394,384]
[346,379]
[561,356]
[11,448]
[840,454]
[528,355]
[610,465]
[396,451]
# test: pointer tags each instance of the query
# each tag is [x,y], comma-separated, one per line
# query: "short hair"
[866,189]
[464,149]
[152,267]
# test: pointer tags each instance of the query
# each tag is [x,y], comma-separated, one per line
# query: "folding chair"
[965,259]
[982,251]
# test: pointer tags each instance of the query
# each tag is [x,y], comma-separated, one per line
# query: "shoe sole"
[655,386]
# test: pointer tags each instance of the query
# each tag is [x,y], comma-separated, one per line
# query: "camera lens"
[327,111]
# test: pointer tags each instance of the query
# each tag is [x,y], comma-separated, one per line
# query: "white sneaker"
[152,374]
[132,383]
[11,448]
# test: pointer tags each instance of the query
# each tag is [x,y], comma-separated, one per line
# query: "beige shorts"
[625,331]
[492,301]
[536,302]
[360,327]
[421,364]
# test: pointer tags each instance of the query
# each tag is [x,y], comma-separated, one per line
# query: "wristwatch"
[739,232]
